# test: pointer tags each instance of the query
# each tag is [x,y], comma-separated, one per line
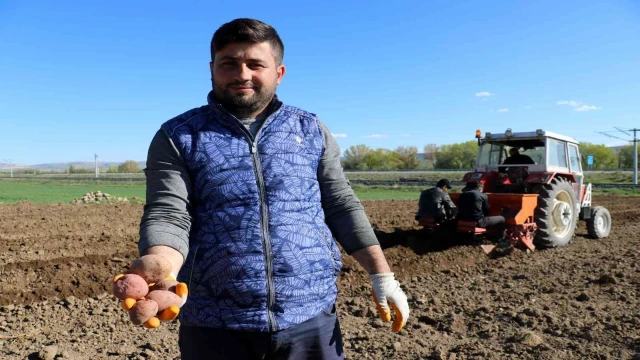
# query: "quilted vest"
[261,256]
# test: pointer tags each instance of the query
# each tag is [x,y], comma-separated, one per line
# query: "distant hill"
[66,165]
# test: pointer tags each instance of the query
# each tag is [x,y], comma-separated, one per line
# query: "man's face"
[513,152]
[245,77]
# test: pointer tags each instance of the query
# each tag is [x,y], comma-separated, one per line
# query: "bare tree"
[430,151]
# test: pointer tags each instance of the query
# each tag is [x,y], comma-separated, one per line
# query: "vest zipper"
[264,224]
[264,216]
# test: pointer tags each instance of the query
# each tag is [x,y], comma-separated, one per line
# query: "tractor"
[542,199]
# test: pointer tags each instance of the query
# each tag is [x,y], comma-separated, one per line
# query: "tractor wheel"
[555,215]
[599,225]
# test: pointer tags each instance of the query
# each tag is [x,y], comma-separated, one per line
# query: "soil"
[576,302]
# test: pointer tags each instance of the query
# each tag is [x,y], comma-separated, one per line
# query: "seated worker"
[515,158]
[517,174]
[473,205]
[436,203]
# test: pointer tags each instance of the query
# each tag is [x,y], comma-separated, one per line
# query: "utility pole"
[635,157]
[96,160]
[10,166]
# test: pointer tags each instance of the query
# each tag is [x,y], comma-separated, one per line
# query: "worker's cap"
[444,182]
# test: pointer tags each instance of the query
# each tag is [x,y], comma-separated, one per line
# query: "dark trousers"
[497,222]
[318,338]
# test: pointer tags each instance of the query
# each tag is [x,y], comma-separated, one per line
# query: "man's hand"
[388,295]
[171,254]
[149,291]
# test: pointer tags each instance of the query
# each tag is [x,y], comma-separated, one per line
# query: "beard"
[243,105]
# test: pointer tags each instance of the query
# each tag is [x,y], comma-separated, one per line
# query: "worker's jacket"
[435,203]
[474,205]
[260,254]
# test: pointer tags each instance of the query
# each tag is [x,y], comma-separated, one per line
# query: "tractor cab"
[517,162]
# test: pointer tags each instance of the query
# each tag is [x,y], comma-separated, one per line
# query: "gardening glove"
[387,293]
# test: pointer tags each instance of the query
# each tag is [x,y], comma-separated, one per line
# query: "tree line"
[451,156]
[463,156]
[129,166]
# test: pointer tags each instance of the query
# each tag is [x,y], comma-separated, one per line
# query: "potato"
[142,311]
[169,285]
[152,268]
[164,299]
[130,286]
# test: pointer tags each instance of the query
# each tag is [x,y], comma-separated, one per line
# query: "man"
[517,174]
[436,203]
[473,205]
[515,158]
[244,196]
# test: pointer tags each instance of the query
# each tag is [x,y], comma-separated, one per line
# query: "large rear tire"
[556,215]
[599,225]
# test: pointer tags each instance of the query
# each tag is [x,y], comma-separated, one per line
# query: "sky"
[84,78]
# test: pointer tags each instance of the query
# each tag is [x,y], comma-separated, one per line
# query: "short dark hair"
[472,185]
[443,183]
[247,30]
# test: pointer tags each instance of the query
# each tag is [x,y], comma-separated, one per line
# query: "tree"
[129,166]
[603,156]
[408,157]
[374,160]
[457,156]
[430,151]
[382,159]
[626,156]
[354,157]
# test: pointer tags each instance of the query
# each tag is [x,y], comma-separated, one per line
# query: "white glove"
[387,293]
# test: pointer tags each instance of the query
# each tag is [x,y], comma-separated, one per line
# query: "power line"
[611,136]
[635,146]
[617,128]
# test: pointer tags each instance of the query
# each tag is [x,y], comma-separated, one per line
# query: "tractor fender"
[546,177]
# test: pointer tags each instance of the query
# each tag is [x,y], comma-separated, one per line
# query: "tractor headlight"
[539,132]
[508,133]
[487,135]
[478,134]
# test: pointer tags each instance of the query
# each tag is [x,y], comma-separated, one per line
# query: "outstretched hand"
[150,292]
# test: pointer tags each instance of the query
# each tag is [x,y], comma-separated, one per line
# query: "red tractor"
[539,189]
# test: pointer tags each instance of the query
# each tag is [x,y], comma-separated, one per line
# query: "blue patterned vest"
[260,254]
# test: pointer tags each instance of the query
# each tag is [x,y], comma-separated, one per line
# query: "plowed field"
[577,302]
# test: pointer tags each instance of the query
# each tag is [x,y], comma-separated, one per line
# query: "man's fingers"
[400,317]
[385,314]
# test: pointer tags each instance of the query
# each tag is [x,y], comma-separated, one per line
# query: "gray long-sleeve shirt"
[167,212]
